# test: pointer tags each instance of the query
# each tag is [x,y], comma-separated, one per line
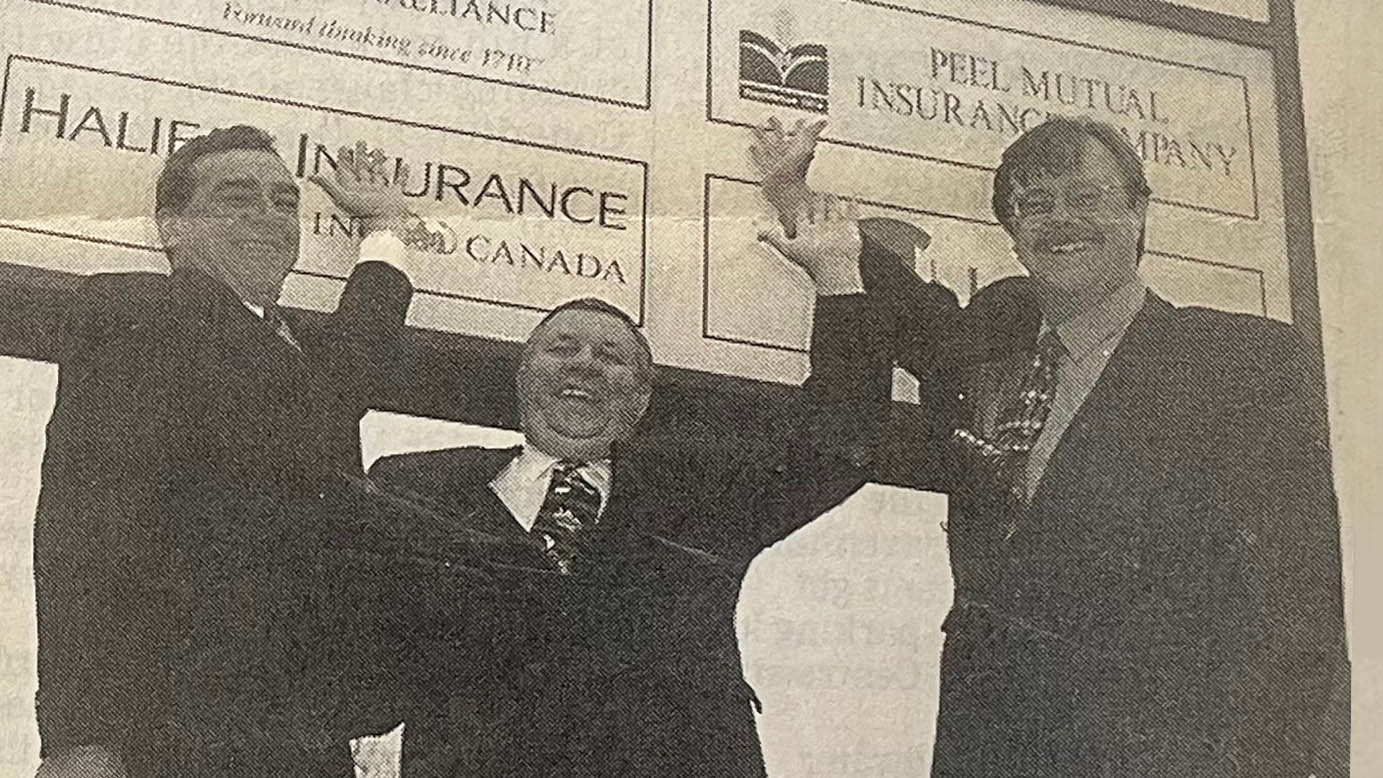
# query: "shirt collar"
[1084,333]
[535,465]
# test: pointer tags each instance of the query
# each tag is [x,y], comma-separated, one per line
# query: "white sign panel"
[965,89]
[547,45]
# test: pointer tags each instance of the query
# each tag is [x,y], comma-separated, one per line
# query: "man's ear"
[640,407]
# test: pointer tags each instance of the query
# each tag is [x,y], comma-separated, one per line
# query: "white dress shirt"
[384,246]
[522,484]
[1090,339]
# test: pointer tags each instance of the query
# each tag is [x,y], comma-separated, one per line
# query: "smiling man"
[642,538]
[1142,526]
[195,424]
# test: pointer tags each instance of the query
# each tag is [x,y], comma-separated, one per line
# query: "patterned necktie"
[572,506]
[1017,427]
[1019,424]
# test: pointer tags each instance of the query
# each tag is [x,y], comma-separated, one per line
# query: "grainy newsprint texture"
[711,388]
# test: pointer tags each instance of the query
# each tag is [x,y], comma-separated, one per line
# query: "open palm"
[368,185]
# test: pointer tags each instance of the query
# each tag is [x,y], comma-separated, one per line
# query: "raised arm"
[867,300]
[918,323]
[845,408]
[358,351]
[375,300]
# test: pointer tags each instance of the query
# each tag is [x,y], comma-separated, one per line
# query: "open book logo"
[794,76]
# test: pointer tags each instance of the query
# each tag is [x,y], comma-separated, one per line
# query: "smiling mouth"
[575,393]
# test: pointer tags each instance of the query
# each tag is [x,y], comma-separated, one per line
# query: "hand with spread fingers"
[783,157]
[369,188]
[826,244]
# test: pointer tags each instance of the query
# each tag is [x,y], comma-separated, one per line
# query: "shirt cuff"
[384,246]
[839,279]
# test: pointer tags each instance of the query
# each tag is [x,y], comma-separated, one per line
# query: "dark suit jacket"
[185,446]
[635,669]
[1170,603]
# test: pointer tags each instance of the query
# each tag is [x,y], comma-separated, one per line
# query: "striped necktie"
[572,506]
[1019,424]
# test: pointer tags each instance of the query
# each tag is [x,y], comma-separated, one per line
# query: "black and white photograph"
[744,388]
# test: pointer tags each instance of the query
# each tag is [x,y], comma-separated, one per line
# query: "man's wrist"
[787,197]
[839,276]
[384,245]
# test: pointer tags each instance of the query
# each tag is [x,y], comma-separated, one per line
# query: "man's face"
[580,384]
[1075,230]
[240,225]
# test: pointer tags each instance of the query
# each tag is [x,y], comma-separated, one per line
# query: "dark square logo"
[797,77]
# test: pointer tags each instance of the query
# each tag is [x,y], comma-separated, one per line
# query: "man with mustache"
[1142,531]
[195,426]
[623,661]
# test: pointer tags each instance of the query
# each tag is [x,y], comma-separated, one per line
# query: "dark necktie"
[572,506]
[1019,424]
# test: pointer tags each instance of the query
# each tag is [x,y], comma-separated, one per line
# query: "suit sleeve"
[360,352]
[1290,674]
[921,323]
[102,517]
[845,407]
[1266,694]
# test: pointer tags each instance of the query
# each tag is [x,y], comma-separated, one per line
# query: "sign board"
[546,46]
[523,225]
[613,163]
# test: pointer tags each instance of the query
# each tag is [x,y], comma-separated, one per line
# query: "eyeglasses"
[1083,200]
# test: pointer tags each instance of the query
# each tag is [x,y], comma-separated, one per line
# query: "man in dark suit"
[1142,527]
[624,661]
[193,428]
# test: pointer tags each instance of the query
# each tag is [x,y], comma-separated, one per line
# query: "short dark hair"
[176,183]
[645,367]
[1056,145]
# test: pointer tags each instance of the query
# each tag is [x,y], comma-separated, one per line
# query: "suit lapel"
[470,493]
[646,498]
[1105,436]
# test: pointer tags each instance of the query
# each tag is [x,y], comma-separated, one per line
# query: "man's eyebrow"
[250,183]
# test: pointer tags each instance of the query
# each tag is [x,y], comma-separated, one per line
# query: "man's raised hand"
[782,158]
[826,244]
[369,188]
